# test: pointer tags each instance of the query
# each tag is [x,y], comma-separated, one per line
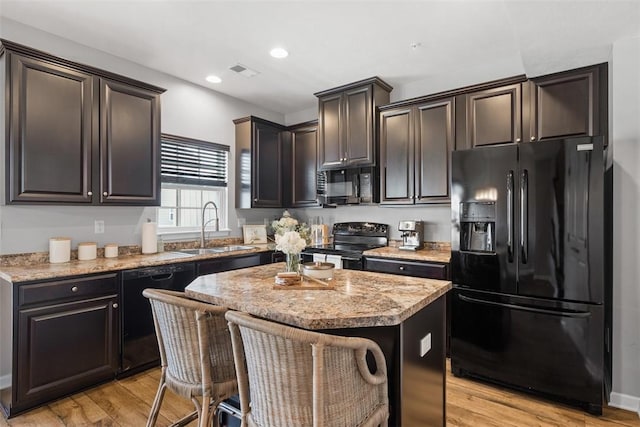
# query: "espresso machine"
[412,233]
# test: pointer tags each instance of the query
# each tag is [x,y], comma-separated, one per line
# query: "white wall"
[187,110]
[437,219]
[625,137]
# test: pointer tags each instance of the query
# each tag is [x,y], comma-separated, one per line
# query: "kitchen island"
[404,315]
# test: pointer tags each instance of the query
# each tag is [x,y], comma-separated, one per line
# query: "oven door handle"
[343,258]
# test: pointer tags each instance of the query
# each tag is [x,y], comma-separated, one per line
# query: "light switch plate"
[98,226]
[425,344]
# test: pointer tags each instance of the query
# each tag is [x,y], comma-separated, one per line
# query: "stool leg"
[155,408]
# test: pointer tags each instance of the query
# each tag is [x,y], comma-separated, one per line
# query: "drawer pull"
[115,305]
[402,267]
[74,289]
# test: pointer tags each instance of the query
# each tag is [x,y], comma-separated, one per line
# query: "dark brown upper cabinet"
[566,104]
[491,116]
[77,134]
[347,125]
[304,142]
[416,140]
[262,164]
[50,114]
[129,148]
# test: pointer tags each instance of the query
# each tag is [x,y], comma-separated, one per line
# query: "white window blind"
[194,162]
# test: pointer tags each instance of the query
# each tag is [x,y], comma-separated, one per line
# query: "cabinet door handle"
[74,289]
[533,138]
[105,194]
[115,305]
[517,139]
[255,200]
[89,193]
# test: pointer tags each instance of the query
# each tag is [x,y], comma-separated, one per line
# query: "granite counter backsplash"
[25,259]
[29,267]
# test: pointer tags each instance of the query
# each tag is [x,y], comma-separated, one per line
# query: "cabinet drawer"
[74,288]
[229,263]
[407,268]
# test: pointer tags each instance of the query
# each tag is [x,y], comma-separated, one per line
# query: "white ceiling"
[335,42]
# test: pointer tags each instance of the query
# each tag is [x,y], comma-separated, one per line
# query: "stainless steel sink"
[215,250]
[237,248]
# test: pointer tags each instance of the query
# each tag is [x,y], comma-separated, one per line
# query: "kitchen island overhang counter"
[358,298]
[404,315]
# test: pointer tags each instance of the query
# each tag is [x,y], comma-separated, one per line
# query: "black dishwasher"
[139,347]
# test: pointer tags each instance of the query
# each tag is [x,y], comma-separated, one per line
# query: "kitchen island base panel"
[416,383]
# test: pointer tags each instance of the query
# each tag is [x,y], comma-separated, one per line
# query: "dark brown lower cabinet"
[427,270]
[66,339]
[218,265]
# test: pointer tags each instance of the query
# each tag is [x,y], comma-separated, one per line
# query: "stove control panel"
[361,229]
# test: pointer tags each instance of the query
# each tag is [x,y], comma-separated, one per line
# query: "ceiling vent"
[243,71]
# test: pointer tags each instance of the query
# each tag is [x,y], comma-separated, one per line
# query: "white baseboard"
[625,401]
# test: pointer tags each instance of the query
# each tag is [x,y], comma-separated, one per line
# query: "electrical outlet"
[425,344]
[98,226]
[241,222]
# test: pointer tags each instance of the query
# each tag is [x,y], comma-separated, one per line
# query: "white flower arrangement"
[289,223]
[290,242]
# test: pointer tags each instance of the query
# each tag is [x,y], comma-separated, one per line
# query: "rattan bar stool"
[294,377]
[195,353]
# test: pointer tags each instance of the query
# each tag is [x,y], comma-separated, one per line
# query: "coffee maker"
[412,233]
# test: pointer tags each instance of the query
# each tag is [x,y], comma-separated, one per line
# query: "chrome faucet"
[204,224]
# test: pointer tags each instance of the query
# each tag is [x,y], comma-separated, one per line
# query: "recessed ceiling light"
[279,53]
[214,79]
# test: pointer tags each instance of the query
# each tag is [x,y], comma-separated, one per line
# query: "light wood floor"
[127,402]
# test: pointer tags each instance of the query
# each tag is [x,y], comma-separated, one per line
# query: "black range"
[350,240]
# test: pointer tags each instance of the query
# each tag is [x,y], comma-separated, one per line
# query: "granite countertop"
[427,254]
[41,271]
[359,299]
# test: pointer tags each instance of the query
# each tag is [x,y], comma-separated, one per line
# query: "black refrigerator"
[530,267]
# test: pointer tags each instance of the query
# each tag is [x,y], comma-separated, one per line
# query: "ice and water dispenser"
[478,226]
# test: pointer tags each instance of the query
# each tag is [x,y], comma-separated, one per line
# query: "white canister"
[87,251]
[110,250]
[59,249]
[149,238]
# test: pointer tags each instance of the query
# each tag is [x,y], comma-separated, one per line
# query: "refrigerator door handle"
[524,215]
[510,216]
[574,314]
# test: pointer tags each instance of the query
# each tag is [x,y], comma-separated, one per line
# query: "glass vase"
[292,262]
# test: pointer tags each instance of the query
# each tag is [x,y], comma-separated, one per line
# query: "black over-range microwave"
[348,186]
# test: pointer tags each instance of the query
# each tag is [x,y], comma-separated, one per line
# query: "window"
[193,173]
